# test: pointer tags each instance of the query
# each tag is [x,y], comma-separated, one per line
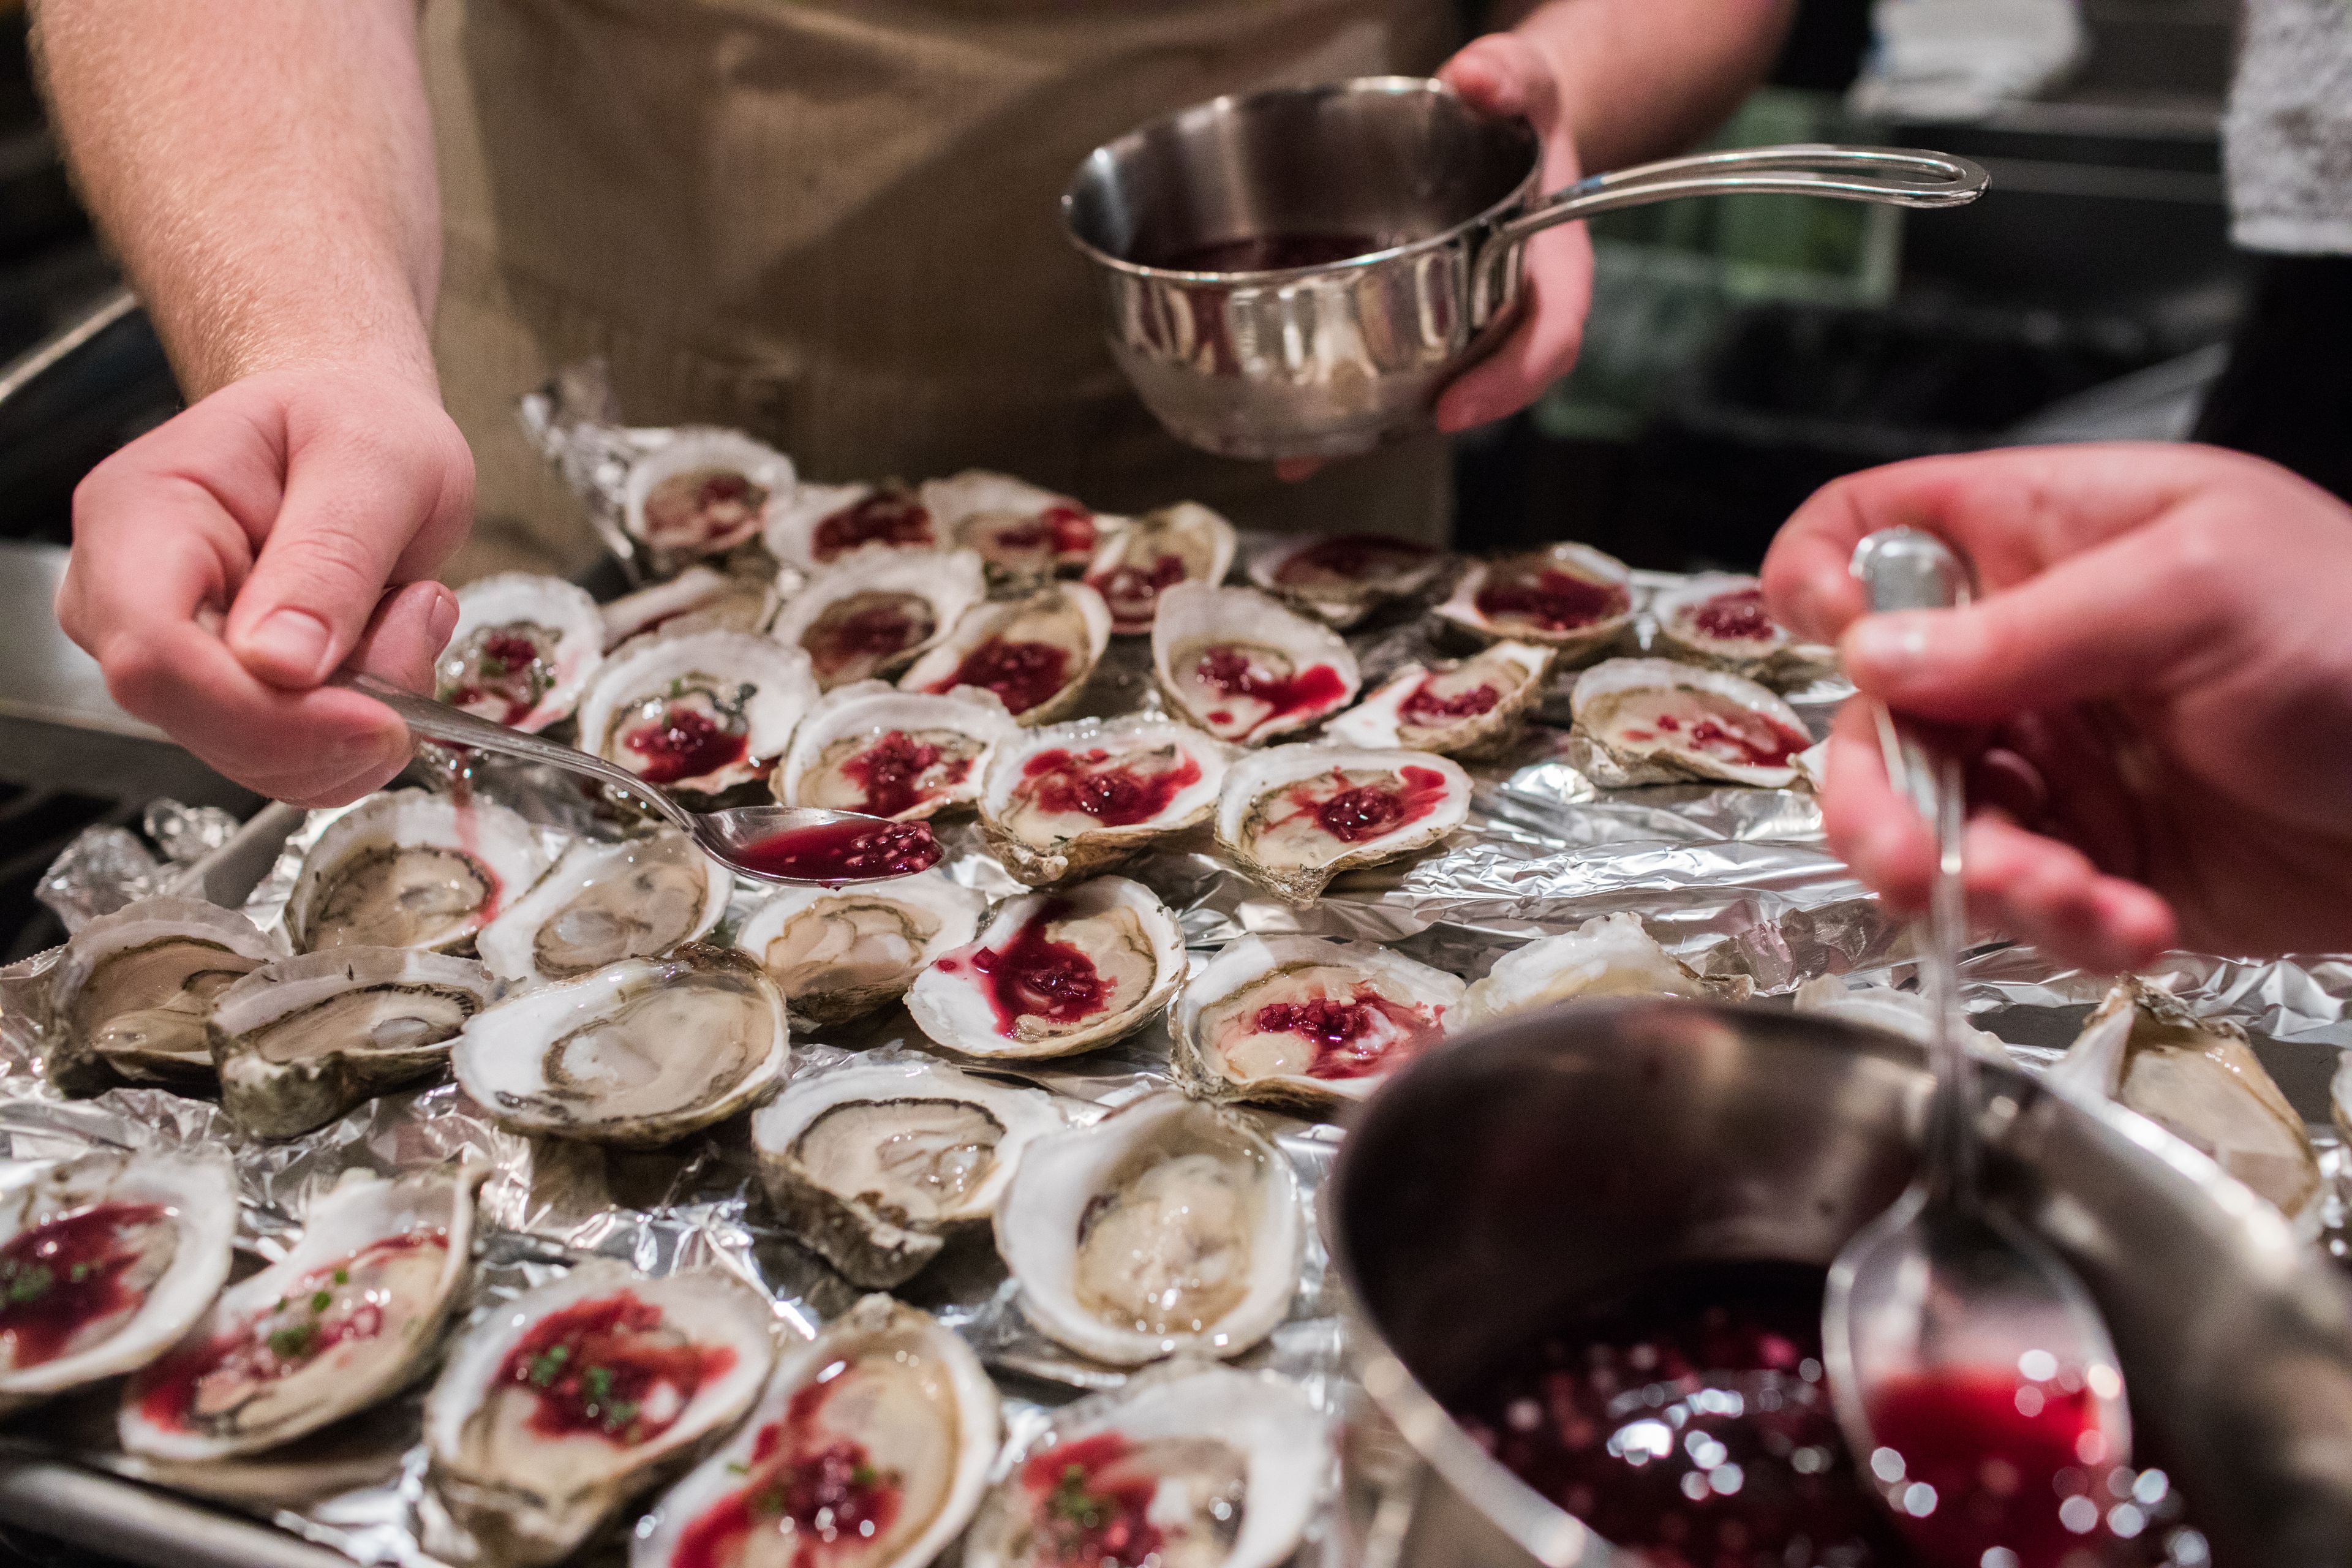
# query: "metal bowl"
[1531,1165]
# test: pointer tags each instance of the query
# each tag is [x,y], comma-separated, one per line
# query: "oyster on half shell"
[837,953]
[1572,598]
[1035,654]
[1473,707]
[524,648]
[873,613]
[1241,666]
[697,599]
[1186,542]
[703,494]
[1718,619]
[1660,719]
[128,1001]
[1293,818]
[601,903]
[411,870]
[1341,578]
[1608,955]
[825,523]
[1024,534]
[1067,800]
[1303,1021]
[906,755]
[699,712]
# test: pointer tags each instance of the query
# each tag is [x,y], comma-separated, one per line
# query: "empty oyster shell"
[1608,955]
[1662,720]
[639,1053]
[411,870]
[1570,597]
[1719,620]
[1341,578]
[1186,542]
[128,1001]
[837,953]
[699,712]
[1024,534]
[566,1401]
[1242,668]
[1304,1022]
[105,1261]
[1471,708]
[703,494]
[825,523]
[1293,818]
[871,613]
[1169,1226]
[1055,974]
[697,599]
[874,1164]
[348,1316]
[300,1041]
[601,903]
[1035,654]
[902,754]
[524,648]
[1070,799]
[1903,1013]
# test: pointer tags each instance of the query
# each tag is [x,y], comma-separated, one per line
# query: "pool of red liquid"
[1370,810]
[65,1274]
[1022,674]
[1097,784]
[1269,252]
[844,852]
[1232,672]
[686,744]
[890,772]
[822,1487]
[589,1368]
[892,517]
[1032,975]
[1550,599]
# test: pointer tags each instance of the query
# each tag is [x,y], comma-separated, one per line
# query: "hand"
[2156,687]
[230,561]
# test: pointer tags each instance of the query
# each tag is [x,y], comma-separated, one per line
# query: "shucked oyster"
[1293,818]
[871,613]
[1033,654]
[874,1164]
[1570,597]
[869,1449]
[1471,708]
[825,523]
[1169,1226]
[1070,799]
[1242,668]
[411,870]
[1608,955]
[705,493]
[127,1002]
[901,755]
[837,953]
[605,902]
[1719,620]
[697,599]
[524,648]
[563,1403]
[700,712]
[1341,578]
[1186,542]
[345,1319]
[1305,1022]
[1024,534]
[1676,720]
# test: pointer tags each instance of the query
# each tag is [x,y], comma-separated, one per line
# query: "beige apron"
[833,223]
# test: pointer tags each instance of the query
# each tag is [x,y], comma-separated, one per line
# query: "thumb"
[1503,74]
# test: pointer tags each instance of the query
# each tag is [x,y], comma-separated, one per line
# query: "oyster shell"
[298,1042]
[697,599]
[1035,654]
[1293,818]
[837,953]
[1242,668]
[1305,1022]
[1024,534]
[105,1261]
[348,1316]
[883,1393]
[1661,720]
[873,1165]
[902,754]
[529,1449]
[1471,707]
[1341,578]
[1570,597]
[1608,955]
[703,494]
[1053,974]
[1718,619]
[524,648]
[825,523]
[1169,1226]
[871,613]
[128,1001]
[639,1053]
[1070,799]
[699,712]
[1186,542]
[411,870]
[601,903]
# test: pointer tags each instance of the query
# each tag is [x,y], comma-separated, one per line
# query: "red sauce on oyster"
[1093,1513]
[1549,599]
[1132,592]
[895,774]
[1351,557]
[503,674]
[1429,707]
[1371,811]
[897,518]
[822,1492]
[862,639]
[1739,615]
[703,510]
[1354,1038]
[844,852]
[64,1277]
[1102,785]
[1032,976]
[1022,674]
[1232,672]
[1732,735]
[684,743]
[610,1367]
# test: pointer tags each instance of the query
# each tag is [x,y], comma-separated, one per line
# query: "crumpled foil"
[102,869]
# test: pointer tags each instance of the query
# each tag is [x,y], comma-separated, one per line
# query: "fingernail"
[443,620]
[1891,645]
[293,640]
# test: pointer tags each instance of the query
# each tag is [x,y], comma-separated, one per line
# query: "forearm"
[264,170]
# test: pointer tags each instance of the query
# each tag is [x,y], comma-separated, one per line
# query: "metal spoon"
[1943,1287]
[772,843]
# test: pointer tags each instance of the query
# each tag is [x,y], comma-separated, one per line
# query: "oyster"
[298,1042]
[639,1053]
[346,1318]
[697,599]
[1663,719]
[1024,533]
[605,902]
[1219,1468]
[1570,597]
[1242,668]
[705,493]
[1471,708]
[129,1000]
[1070,799]
[873,613]
[1186,542]
[902,754]
[411,870]
[1169,1226]
[825,523]
[1341,578]
[1881,1007]
[1304,1022]
[837,953]
[1293,818]
[874,1164]
[1719,620]
[1035,654]
[524,648]
[701,711]
[1053,974]
[870,1449]
[563,1403]
[105,1261]
[1608,955]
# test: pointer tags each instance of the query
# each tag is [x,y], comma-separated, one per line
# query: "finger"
[409,630]
[2049,894]
[1869,825]
[1502,74]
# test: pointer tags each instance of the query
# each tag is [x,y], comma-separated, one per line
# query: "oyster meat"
[561,1406]
[703,494]
[825,523]
[873,613]
[837,953]
[1024,533]
[906,755]
[524,648]
[1033,654]
[874,1164]
[1341,578]
[1662,720]
[128,1001]
[348,1316]
[1718,619]
[639,1053]
[699,712]
[1608,955]
[697,599]
[1303,1021]
[1070,799]
[1293,818]
[1242,668]
[411,870]
[602,901]
[1053,974]
[1186,542]
[1471,708]
[1170,1226]
[1570,597]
